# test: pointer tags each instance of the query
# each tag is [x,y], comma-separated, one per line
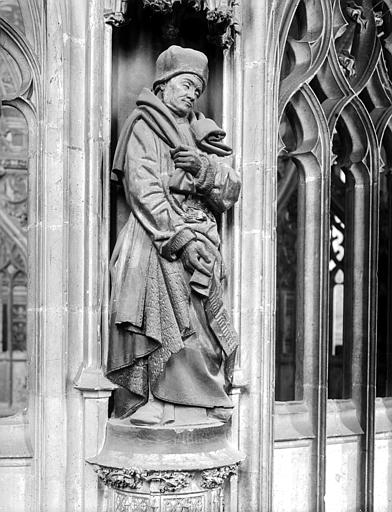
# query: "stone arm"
[218,183]
[149,201]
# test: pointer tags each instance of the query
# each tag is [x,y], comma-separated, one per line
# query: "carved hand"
[195,257]
[187,159]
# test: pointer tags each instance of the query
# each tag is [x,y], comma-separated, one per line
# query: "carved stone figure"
[172,344]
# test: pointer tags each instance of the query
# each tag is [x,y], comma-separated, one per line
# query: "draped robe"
[170,333]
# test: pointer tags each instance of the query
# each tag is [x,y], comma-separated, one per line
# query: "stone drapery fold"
[157,311]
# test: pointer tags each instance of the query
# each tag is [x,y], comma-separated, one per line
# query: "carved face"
[180,92]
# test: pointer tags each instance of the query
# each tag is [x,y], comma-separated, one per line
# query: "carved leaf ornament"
[121,478]
[170,481]
[214,478]
[219,15]
[162,481]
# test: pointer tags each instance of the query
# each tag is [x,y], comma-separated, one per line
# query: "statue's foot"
[190,415]
[220,413]
[149,414]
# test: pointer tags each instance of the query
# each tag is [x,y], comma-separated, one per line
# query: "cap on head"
[176,60]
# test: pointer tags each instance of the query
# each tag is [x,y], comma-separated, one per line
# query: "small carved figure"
[347,61]
[356,12]
[172,344]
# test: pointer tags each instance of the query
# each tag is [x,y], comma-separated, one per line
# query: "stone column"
[69,390]
[255,274]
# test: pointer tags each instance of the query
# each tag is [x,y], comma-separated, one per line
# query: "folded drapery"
[208,135]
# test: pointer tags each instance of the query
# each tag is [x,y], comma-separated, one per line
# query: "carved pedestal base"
[205,500]
[166,469]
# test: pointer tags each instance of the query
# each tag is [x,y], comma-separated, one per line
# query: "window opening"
[286,322]
[13,244]
[384,325]
[336,284]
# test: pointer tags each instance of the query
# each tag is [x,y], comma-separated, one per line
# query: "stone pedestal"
[166,469]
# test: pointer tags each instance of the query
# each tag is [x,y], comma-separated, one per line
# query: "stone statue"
[172,345]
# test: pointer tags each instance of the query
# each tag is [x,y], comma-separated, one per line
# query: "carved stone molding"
[115,19]
[220,9]
[164,491]
[169,481]
[115,13]
[221,22]
[159,6]
[121,478]
[129,479]
[213,478]
[193,502]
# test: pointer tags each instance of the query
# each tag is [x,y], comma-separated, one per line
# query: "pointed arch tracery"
[302,162]
[18,132]
[347,67]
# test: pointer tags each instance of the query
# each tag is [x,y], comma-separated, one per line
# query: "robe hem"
[189,404]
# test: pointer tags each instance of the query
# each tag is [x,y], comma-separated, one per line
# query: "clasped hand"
[195,257]
[187,159]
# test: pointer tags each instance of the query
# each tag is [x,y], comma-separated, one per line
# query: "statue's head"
[181,77]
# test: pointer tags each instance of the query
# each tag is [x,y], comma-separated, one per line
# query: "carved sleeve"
[218,182]
[147,197]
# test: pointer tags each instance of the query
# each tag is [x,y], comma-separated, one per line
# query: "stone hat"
[176,60]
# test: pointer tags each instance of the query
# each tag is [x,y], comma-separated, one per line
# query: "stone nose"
[191,94]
